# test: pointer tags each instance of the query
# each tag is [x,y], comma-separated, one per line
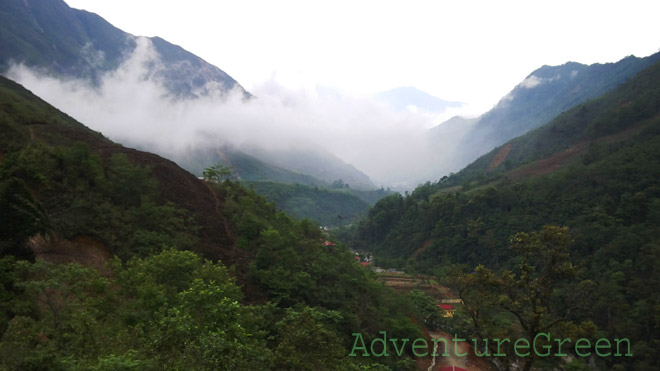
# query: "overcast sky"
[469,51]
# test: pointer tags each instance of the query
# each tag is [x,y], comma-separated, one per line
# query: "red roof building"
[448,308]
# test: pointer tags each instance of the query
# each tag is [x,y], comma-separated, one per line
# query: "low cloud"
[131,106]
[531,82]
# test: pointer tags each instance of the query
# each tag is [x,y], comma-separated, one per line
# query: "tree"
[217,173]
[529,292]
[305,343]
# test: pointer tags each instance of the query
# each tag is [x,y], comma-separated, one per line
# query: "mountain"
[594,169]
[315,161]
[541,96]
[63,42]
[332,208]
[107,180]
[412,98]
[444,141]
[244,167]
[51,36]
[112,257]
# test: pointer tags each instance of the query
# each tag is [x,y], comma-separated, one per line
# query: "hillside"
[140,292]
[594,169]
[315,161]
[51,36]
[244,167]
[328,207]
[540,97]
[33,133]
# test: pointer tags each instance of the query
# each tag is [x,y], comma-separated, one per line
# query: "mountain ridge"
[407,97]
[542,95]
[51,36]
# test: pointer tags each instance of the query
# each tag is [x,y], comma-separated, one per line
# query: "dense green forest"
[594,170]
[112,258]
[330,207]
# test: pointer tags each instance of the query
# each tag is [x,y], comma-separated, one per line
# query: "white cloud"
[531,82]
[131,106]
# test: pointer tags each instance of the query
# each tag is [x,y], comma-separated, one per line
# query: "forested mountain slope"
[539,98]
[594,169]
[140,293]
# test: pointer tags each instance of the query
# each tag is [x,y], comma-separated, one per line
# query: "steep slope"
[445,140]
[613,117]
[316,162]
[49,143]
[63,42]
[49,35]
[244,167]
[543,95]
[594,169]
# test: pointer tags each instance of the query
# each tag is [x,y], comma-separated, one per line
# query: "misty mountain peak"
[51,36]
[409,97]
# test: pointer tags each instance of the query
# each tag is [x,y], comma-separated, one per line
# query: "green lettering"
[578,347]
[517,345]
[456,341]
[358,336]
[618,353]
[415,346]
[559,344]
[435,347]
[546,347]
[383,341]
[605,347]
[399,351]
[476,349]
[499,343]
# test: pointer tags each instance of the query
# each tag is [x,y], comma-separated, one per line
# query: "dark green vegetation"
[112,258]
[303,196]
[313,167]
[328,207]
[49,35]
[245,167]
[315,161]
[594,169]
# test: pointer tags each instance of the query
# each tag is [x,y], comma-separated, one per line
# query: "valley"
[156,213]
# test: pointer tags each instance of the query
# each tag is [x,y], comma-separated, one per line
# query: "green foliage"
[169,309]
[607,194]
[217,173]
[159,307]
[80,194]
[427,309]
[304,343]
[323,205]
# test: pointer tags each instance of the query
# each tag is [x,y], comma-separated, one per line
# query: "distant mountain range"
[544,94]
[312,167]
[414,99]
[61,41]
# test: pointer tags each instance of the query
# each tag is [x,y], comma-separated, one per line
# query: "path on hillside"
[468,362]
